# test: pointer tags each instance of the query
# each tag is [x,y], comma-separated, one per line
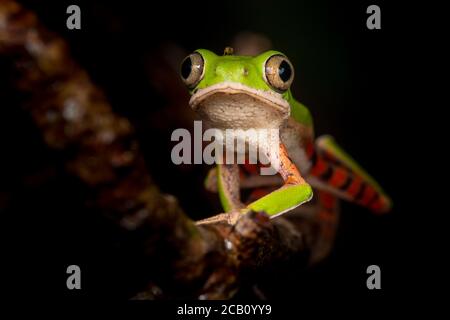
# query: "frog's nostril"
[245,72]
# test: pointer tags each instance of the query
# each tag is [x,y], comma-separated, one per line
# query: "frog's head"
[239,91]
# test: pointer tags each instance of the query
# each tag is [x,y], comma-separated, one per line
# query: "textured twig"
[99,148]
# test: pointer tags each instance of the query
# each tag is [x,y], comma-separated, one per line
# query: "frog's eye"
[192,69]
[279,72]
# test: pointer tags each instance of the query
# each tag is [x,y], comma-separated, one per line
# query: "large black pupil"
[186,68]
[284,71]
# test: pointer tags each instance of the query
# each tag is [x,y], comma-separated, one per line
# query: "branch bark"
[99,148]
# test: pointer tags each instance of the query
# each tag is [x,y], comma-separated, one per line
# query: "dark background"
[350,77]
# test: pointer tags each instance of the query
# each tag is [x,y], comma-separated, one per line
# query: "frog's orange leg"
[291,194]
[334,171]
[294,192]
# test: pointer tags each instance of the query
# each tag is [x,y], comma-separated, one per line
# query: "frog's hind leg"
[335,171]
[294,192]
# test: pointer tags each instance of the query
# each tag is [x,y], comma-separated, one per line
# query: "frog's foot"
[229,218]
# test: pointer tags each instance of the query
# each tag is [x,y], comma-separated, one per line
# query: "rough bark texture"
[98,147]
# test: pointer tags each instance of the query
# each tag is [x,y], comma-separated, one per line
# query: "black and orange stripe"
[342,178]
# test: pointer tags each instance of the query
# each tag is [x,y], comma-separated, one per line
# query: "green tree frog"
[242,92]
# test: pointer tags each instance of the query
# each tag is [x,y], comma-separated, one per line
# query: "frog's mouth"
[233,105]
[266,98]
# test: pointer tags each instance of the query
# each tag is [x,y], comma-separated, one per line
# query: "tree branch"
[99,148]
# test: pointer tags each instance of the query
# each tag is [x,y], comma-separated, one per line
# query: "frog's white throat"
[234,105]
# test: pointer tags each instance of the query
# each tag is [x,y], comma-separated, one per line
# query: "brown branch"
[99,148]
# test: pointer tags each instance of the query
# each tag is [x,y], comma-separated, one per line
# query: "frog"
[243,92]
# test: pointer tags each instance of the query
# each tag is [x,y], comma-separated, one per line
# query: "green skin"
[248,72]
[230,66]
[229,81]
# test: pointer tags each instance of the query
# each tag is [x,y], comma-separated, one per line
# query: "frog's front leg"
[227,178]
[228,187]
[293,193]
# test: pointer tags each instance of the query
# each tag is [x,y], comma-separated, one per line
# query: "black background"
[354,81]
